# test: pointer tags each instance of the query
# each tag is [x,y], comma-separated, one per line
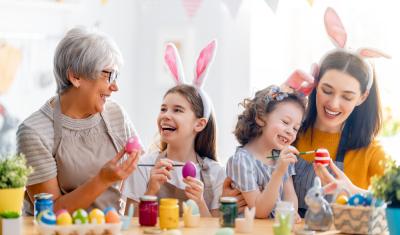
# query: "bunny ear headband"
[338,35]
[204,61]
[304,83]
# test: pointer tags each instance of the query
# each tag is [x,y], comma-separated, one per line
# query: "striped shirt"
[249,174]
[35,136]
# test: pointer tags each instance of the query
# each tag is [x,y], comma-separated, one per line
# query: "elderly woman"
[75,141]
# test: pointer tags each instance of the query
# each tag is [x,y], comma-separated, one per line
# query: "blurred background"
[260,42]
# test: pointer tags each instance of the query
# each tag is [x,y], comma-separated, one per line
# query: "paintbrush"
[151,165]
[275,153]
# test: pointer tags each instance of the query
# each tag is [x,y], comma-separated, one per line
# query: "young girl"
[270,121]
[187,129]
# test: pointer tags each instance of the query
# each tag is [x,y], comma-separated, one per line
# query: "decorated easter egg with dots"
[357,200]
[132,144]
[112,217]
[80,216]
[342,200]
[46,217]
[63,217]
[96,216]
[189,169]
[322,157]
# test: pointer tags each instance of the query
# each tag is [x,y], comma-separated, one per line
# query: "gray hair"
[86,52]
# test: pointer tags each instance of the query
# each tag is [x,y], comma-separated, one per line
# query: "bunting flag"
[273,4]
[311,2]
[233,6]
[191,7]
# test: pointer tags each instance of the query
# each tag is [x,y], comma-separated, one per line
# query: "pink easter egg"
[322,157]
[132,144]
[189,169]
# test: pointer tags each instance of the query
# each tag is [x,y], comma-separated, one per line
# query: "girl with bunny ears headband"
[187,133]
[343,116]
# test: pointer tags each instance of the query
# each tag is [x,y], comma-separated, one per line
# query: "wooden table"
[208,226]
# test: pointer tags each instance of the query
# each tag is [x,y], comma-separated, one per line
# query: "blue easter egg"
[379,203]
[46,217]
[110,208]
[368,199]
[357,200]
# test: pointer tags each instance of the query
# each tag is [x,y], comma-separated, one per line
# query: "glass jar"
[284,216]
[228,211]
[43,201]
[169,213]
[148,210]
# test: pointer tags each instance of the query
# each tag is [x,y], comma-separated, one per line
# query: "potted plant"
[387,188]
[10,223]
[13,177]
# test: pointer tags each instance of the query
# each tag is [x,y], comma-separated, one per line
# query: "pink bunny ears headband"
[304,82]
[338,35]
[206,57]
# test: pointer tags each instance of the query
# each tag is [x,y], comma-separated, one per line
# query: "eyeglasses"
[112,75]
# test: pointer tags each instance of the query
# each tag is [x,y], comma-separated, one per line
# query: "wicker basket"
[359,219]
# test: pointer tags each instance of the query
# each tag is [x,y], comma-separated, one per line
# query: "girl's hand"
[286,157]
[339,178]
[114,170]
[228,191]
[194,190]
[159,174]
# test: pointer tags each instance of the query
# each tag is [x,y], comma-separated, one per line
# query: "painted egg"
[368,199]
[63,217]
[189,169]
[132,144]
[110,208]
[342,200]
[80,216]
[46,217]
[112,217]
[356,200]
[96,216]
[322,157]
[193,205]
[225,231]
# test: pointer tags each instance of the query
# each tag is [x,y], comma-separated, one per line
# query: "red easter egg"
[322,157]
[189,169]
[132,144]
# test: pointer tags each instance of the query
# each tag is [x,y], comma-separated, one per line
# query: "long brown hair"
[364,123]
[205,141]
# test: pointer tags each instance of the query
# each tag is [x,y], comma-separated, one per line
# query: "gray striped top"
[249,173]
[35,136]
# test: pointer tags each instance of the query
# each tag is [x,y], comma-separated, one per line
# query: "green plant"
[387,186]
[9,215]
[14,171]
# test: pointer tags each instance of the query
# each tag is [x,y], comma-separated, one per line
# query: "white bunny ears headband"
[204,61]
[304,82]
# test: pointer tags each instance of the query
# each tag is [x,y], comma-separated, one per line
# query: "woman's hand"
[159,174]
[228,191]
[287,156]
[114,170]
[339,178]
[194,190]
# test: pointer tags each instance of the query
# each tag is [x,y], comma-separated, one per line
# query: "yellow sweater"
[359,165]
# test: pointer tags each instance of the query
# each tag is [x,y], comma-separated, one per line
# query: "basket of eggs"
[359,214]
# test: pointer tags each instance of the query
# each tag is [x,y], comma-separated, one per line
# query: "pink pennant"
[335,28]
[205,59]
[191,6]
